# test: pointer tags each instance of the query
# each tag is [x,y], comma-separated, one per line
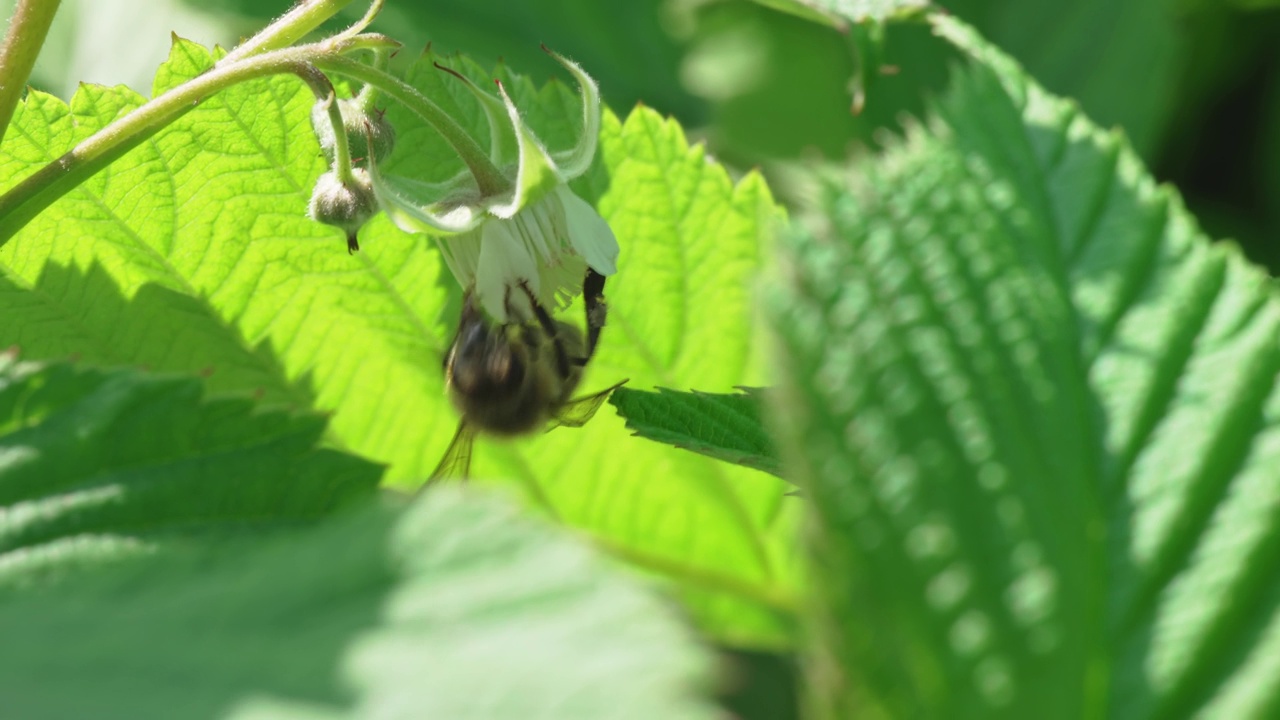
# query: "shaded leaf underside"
[97,464]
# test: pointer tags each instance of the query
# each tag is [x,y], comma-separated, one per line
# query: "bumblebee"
[518,377]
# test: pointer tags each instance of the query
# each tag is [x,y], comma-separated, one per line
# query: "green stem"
[322,88]
[22,203]
[368,97]
[489,179]
[27,30]
[341,144]
[289,29]
[375,7]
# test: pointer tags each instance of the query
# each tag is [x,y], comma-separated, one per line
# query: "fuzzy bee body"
[519,377]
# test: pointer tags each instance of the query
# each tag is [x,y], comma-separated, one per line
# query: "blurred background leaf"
[1035,411]
[457,607]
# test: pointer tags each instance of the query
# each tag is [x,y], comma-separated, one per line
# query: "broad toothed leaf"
[98,464]
[1034,410]
[723,426]
[193,253]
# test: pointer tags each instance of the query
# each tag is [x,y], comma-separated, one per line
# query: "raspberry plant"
[978,426]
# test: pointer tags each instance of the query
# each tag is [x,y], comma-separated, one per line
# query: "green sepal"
[575,162]
[536,174]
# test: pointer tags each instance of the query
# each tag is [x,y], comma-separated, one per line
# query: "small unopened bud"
[355,120]
[347,207]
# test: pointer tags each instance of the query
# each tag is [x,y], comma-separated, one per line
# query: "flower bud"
[347,207]
[360,126]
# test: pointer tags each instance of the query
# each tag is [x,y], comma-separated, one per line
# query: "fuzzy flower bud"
[347,207]
[361,126]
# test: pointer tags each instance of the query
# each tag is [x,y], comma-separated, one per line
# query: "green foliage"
[223,595]
[1123,61]
[1130,83]
[723,426]
[193,253]
[1028,404]
[100,464]
[456,607]
[1033,409]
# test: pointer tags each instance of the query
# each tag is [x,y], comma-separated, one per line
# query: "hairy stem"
[324,92]
[41,189]
[289,29]
[27,30]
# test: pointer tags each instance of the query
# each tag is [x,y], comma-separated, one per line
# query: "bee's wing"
[576,413]
[456,462]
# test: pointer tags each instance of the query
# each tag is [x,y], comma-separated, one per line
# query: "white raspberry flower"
[533,230]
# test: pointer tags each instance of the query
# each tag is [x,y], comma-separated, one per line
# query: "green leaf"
[723,426]
[1035,412]
[1126,63]
[456,608]
[193,253]
[100,464]
[679,314]
[1121,61]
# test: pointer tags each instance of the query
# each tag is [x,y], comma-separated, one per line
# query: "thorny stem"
[26,200]
[27,30]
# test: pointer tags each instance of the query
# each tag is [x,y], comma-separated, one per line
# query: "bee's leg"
[549,327]
[593,295]
[516,319]
[513,316]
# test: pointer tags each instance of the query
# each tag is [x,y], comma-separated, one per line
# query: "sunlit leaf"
[193,253]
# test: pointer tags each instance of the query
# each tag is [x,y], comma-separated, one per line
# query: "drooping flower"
[531,230]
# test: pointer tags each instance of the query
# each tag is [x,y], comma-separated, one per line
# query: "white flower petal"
[462,255]
[590,235]
[562,282]
[536,226]
[503,263]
